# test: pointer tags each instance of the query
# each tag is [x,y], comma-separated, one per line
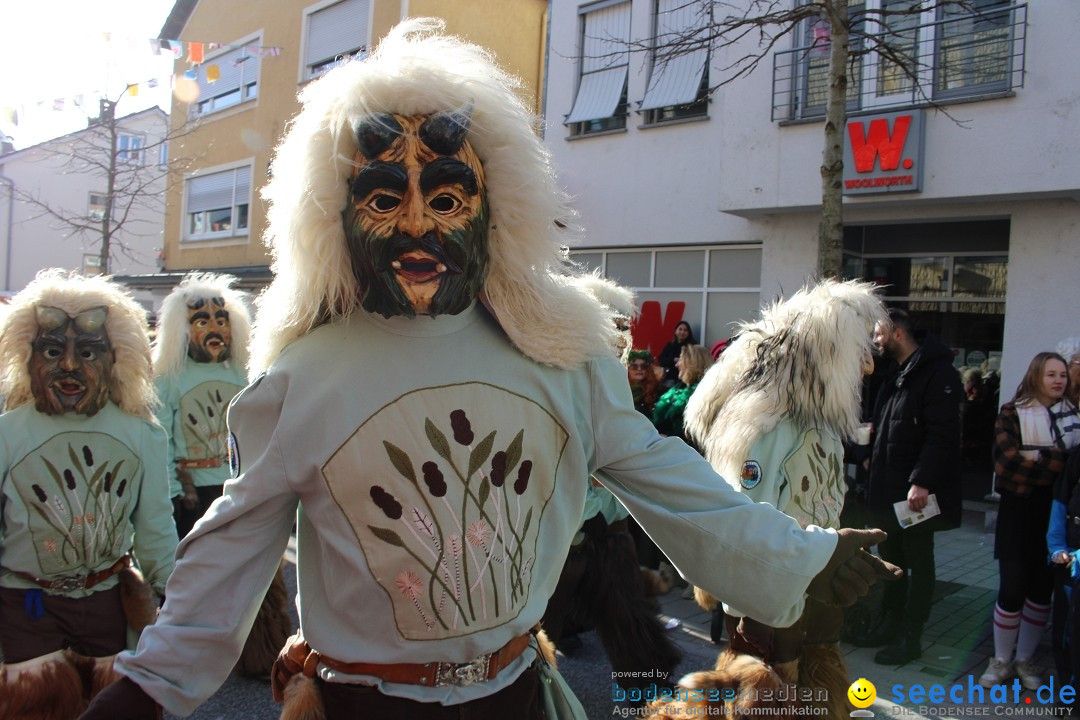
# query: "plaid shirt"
[1015,473]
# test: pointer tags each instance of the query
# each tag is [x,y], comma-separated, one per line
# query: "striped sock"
[1006,628]
[1033,620]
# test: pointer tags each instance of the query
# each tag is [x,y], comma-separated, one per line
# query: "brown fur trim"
[303,700]
[704,600]
[137,599]
[46,688]
[272,628]
[657,582]
[748,676]
[823,667]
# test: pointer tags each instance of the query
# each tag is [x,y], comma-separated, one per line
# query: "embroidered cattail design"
[805,484]
[409,585]
[191,419]
[120,488]
[217,395]
[87,455]
[433,478]
[522,482]
[498,469]
[209,411]
[39,492]
[386,502]
[69,479]
[463,433]
[108,481]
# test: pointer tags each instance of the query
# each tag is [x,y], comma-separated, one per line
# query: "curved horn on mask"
[376,133]
[444,132]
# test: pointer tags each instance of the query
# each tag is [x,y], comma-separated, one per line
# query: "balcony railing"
[955,58]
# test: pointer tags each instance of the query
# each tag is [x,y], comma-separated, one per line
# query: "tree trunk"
[108,117]
[831,228]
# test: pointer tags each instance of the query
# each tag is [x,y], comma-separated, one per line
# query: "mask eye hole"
[382,202]
[51,353]
[88,355]
[444,204]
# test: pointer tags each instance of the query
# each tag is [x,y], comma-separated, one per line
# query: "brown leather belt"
[185,464]
[297,656]
[78,582]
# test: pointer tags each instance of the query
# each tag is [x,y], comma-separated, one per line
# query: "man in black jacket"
[916,453]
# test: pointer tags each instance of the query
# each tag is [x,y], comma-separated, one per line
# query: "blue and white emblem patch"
[751,474]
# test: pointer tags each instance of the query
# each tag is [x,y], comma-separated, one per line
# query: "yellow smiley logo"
[862,693]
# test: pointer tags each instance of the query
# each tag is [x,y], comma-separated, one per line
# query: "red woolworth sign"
[884,153]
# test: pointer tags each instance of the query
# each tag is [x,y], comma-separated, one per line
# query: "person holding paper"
[1032,438]
[915,453]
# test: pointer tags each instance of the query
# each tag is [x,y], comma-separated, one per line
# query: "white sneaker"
[996,673]
[1030,674]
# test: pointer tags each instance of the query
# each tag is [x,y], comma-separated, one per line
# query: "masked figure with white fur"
[83,490]
[771,416]
[417,227]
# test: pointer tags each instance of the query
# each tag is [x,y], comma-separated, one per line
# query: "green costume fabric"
[192,411]
[668,412]
[78,493]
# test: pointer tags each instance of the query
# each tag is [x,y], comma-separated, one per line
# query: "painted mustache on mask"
[212,336]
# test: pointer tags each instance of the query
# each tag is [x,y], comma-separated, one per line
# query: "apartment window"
[333,32]
[97,205]
[129,148]
[229,78]
[679,76]
[217,204]
[163,153]
[934,53]
[601,101]
[91,265]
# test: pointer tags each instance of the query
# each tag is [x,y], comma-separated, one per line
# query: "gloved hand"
[190,498]
[753,637]
[851,570]
[123,700]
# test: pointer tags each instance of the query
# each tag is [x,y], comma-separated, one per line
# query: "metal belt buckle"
[463,673]
[68,584]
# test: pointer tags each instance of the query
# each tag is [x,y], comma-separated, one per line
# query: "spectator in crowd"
[670,354]
[915,453]
[976,421]
[667,415]
[1063,545]
[84,496]
[1069,348]
[641,372]
[1033,436]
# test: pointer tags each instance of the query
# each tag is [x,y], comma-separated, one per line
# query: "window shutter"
[337,29]
[237,67]
[212,192]
[604,59]
[676,72]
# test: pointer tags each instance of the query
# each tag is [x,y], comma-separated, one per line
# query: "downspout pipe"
[10,224]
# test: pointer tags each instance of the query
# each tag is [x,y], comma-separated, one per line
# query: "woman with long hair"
[684,336]
[668,412]
[1033,436]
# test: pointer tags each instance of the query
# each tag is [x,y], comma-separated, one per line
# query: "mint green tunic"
[436,477]
[192,411]
[77,493]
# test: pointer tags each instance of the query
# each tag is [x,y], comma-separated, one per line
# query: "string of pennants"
[196,52]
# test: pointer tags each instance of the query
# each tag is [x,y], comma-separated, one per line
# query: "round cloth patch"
[234,456]
[751,474]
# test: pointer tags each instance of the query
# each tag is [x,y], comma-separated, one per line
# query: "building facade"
[54,196]
[238,100]
[960,195]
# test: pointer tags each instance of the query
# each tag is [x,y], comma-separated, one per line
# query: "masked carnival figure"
[434,386]
[771,416]
[83,494]
[200,363]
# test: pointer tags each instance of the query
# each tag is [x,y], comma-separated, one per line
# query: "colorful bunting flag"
[177,48]
[191,74]
[133,90]
[213,73]
[195,52]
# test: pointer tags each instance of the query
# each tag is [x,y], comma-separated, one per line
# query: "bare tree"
[749,32]
[135,174]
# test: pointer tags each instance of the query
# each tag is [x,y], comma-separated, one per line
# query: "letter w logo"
[865,148]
